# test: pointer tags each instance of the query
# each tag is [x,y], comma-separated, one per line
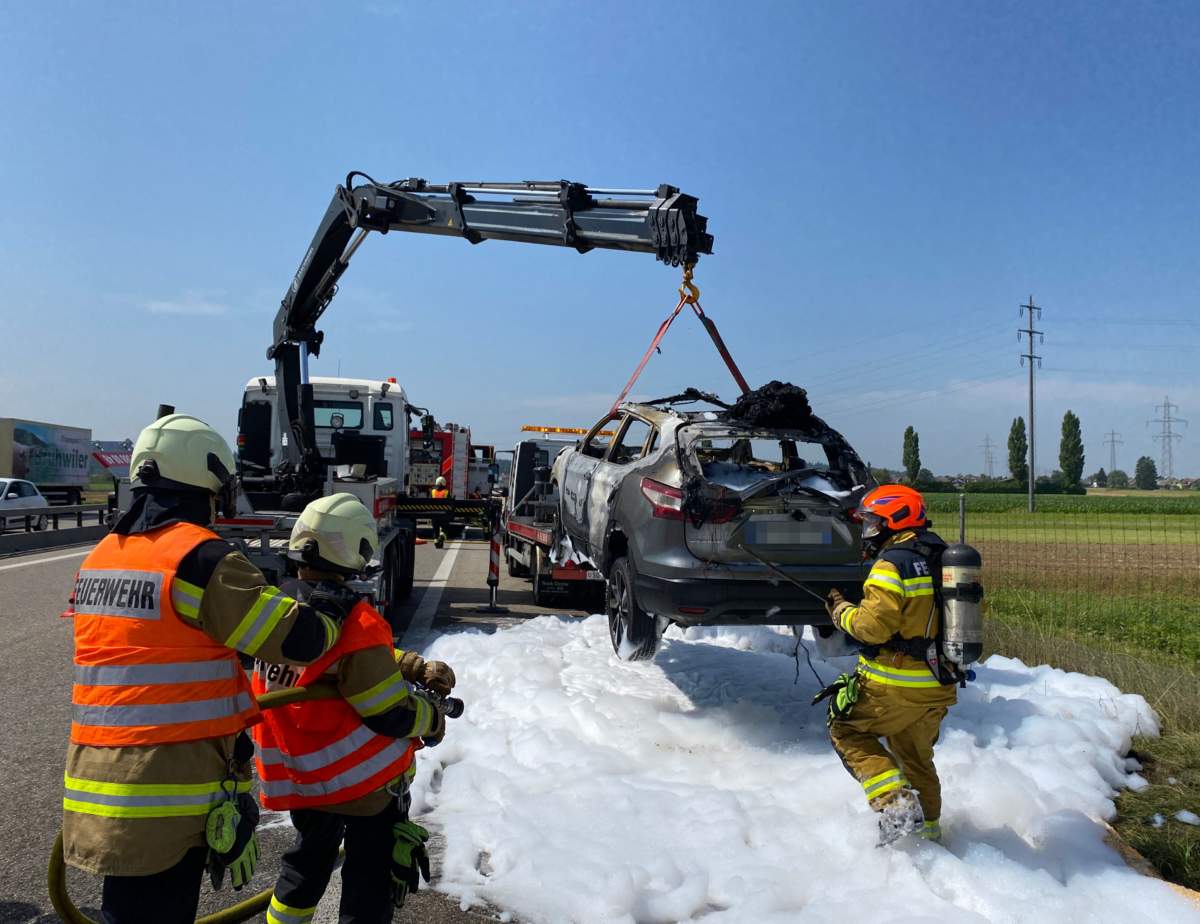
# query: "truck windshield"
[351,413]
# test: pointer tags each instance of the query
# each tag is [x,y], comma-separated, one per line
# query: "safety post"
[493,575]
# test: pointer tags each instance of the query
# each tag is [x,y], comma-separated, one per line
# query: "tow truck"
[533,546]
[298,467]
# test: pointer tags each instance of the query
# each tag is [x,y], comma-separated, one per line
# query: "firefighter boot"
[899,815]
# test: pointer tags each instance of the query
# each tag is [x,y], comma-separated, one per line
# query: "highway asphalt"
[35,664]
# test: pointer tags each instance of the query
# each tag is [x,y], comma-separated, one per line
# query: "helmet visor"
[872,523]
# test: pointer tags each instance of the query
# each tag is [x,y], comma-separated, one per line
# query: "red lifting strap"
[688,295]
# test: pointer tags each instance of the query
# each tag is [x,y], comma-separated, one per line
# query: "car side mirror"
[12,495]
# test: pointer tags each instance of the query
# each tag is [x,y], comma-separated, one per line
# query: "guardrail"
[97,513]
[73,525]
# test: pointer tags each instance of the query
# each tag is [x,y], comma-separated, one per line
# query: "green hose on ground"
[56,873]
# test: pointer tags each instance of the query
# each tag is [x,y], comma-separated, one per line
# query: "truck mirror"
[337,421]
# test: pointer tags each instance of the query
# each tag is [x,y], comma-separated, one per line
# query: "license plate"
[786,531]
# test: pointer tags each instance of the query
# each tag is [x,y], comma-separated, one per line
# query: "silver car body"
[18,499]
[704,567]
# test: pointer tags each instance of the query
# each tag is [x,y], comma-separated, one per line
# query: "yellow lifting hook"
[687,289]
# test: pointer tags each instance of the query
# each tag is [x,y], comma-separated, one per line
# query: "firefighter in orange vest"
[341,766]
[895,695]
[157,777]
[439,491]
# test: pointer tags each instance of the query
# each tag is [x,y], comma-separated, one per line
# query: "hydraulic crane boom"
[660,221]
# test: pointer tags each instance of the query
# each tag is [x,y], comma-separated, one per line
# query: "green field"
[1170,503]
[1108,586]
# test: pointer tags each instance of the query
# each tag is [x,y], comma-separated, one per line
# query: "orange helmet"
[891,507]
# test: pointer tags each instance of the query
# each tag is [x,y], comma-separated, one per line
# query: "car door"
[628,446]
[577,478]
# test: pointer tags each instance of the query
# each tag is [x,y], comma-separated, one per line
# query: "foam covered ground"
[702,786]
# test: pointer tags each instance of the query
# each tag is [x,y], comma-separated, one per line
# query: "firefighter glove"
[835,605]
[842,695]
[433,675]
[410,860]
[229,831]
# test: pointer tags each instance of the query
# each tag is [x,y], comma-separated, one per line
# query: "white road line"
[42,561]
[422,619]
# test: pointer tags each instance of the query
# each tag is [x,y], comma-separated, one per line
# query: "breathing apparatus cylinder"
[962,596]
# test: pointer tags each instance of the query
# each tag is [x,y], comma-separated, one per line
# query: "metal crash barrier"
[56,874]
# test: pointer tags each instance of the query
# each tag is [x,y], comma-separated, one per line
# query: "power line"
[1029,333]
[1168,436]
[1112,440]
[988,458]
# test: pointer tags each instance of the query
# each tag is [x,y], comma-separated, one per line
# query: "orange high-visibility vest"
[142,675]
[319,752]
[440,492]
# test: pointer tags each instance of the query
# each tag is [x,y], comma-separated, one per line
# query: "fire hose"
[56,874]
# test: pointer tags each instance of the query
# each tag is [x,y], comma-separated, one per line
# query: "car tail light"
[666,500]
[693,610]
[241,441]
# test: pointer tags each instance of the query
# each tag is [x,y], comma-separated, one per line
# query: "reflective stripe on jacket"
[440,492]
[898,599]
[143,676]
[320,753]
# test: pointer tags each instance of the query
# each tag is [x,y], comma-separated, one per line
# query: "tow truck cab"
[358,422]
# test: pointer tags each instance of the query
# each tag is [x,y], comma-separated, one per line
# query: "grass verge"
[1171,761]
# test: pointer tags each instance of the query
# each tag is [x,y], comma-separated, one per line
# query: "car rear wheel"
[633,631]
[39,524]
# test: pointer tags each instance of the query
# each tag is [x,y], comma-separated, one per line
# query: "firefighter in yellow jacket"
[898,693]
[341,766]
[157,777]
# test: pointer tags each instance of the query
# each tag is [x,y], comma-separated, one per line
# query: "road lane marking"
[42,561]
[422,619]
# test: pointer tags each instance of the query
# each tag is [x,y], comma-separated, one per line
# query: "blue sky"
[886,182]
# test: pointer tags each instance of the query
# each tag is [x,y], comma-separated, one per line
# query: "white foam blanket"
[702,787]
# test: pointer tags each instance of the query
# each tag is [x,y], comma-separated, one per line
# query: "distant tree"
[912,454]
[1118,479]
[1018,453]
[1070,450]
[882,475]
[1145,476]
[925,478]
[1100,479]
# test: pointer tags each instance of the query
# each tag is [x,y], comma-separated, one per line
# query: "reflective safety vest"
[143,676]
[440,492]
[320,752]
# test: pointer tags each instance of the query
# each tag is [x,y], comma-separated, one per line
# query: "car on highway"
[700,517]
[20,499]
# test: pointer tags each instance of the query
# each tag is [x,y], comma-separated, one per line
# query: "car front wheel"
[633,631]
[39,524]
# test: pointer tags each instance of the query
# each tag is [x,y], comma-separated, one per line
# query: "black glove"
[409,858]
[229,831]
[333,599]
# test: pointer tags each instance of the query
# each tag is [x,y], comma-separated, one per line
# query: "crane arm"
[661,221]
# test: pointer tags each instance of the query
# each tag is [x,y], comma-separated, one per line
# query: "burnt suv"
[682,510]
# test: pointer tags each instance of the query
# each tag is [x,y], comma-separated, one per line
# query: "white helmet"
[439,482]
[181,452]
[335,533]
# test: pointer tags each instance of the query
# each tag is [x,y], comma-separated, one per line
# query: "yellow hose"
[56,873]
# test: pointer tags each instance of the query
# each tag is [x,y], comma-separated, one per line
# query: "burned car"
[698,517]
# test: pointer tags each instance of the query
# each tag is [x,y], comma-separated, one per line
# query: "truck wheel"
[408,553]
[633,631]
